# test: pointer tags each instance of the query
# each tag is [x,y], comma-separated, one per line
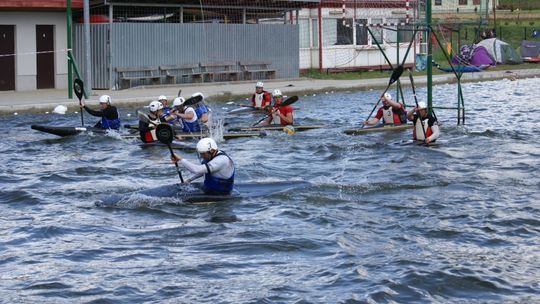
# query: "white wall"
[351,56]
[25,46]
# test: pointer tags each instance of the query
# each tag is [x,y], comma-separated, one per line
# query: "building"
[33,43]
[343,41]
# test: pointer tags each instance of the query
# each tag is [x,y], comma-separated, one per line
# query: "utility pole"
[87,51]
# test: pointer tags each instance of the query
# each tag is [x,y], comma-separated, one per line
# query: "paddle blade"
[143,117]
[78,87]
[193,100]
[289,101]
[396,74]
[165,133]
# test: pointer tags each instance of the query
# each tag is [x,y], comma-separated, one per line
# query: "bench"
[187,72]
[217,71]
[257,68]
[128,74]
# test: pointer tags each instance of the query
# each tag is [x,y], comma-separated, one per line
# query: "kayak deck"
[67,131]
[356,131]
[192,193]
[277,128]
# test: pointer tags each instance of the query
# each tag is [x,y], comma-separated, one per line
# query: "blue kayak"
[192,193]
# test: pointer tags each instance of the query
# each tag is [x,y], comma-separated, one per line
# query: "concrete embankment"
[46,100]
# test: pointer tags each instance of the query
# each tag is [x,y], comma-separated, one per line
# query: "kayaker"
[109,114]
[261,98]
[216,166]
[164,102]
[431,127]
[392,112]
[279,115]
[185,115]
[203,112]
[155,117]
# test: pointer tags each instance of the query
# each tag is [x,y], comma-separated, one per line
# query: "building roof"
[38,4]
[218,3]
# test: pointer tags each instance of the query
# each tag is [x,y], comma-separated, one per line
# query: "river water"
[380,223]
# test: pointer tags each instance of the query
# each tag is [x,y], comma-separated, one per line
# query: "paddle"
[393,78]
[165,134]
[287,102]
[78,87]
[416,102]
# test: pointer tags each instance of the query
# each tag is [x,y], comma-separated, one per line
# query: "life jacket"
[191,125]
[216,185]
[147,134]
[392,116]
[261,100]
[418,133]
[111,123]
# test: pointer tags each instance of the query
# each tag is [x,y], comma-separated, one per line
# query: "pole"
[429,57]
[88,50]
[319,25]
[69,37]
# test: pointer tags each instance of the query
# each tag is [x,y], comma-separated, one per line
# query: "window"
[476,2]
[361,32]
[438,2]
[303,28]
[463,2]
[337,32]
[315,32]
[377,31]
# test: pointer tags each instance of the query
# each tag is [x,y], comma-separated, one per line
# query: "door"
[7,57]
[45,56]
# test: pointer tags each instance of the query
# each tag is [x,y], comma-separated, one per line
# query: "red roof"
[39,4]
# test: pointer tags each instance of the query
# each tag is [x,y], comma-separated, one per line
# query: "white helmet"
[277,92]
[421,105]
[178,101]
[198,94]
[162,97]
[155,106]
[206,145]
[387,96]
[105,99]
[259,85]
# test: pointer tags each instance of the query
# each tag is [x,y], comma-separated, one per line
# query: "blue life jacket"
[216,185]
[110,123]
[191,126]
[201,109]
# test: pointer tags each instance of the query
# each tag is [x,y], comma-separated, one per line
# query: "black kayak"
[278,128]
[68,131]
[176,144]
[186,135]
[192,193]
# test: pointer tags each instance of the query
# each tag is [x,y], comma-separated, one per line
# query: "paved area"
[46,100]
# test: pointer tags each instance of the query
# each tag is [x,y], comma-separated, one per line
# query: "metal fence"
[155,44]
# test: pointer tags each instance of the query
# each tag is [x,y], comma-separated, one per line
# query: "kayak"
[192,193]
[200,135]
[278,128]
[356,131]
[225,135]
[176,144]
[67,131]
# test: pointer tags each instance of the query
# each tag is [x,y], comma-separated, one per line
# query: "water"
[381,223]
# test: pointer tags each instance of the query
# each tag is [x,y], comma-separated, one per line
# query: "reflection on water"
[381,222]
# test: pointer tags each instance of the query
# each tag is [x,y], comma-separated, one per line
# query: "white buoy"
[47,112]
[230,102]
[15,113]
[76,112]
[60,109]
[128,115]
